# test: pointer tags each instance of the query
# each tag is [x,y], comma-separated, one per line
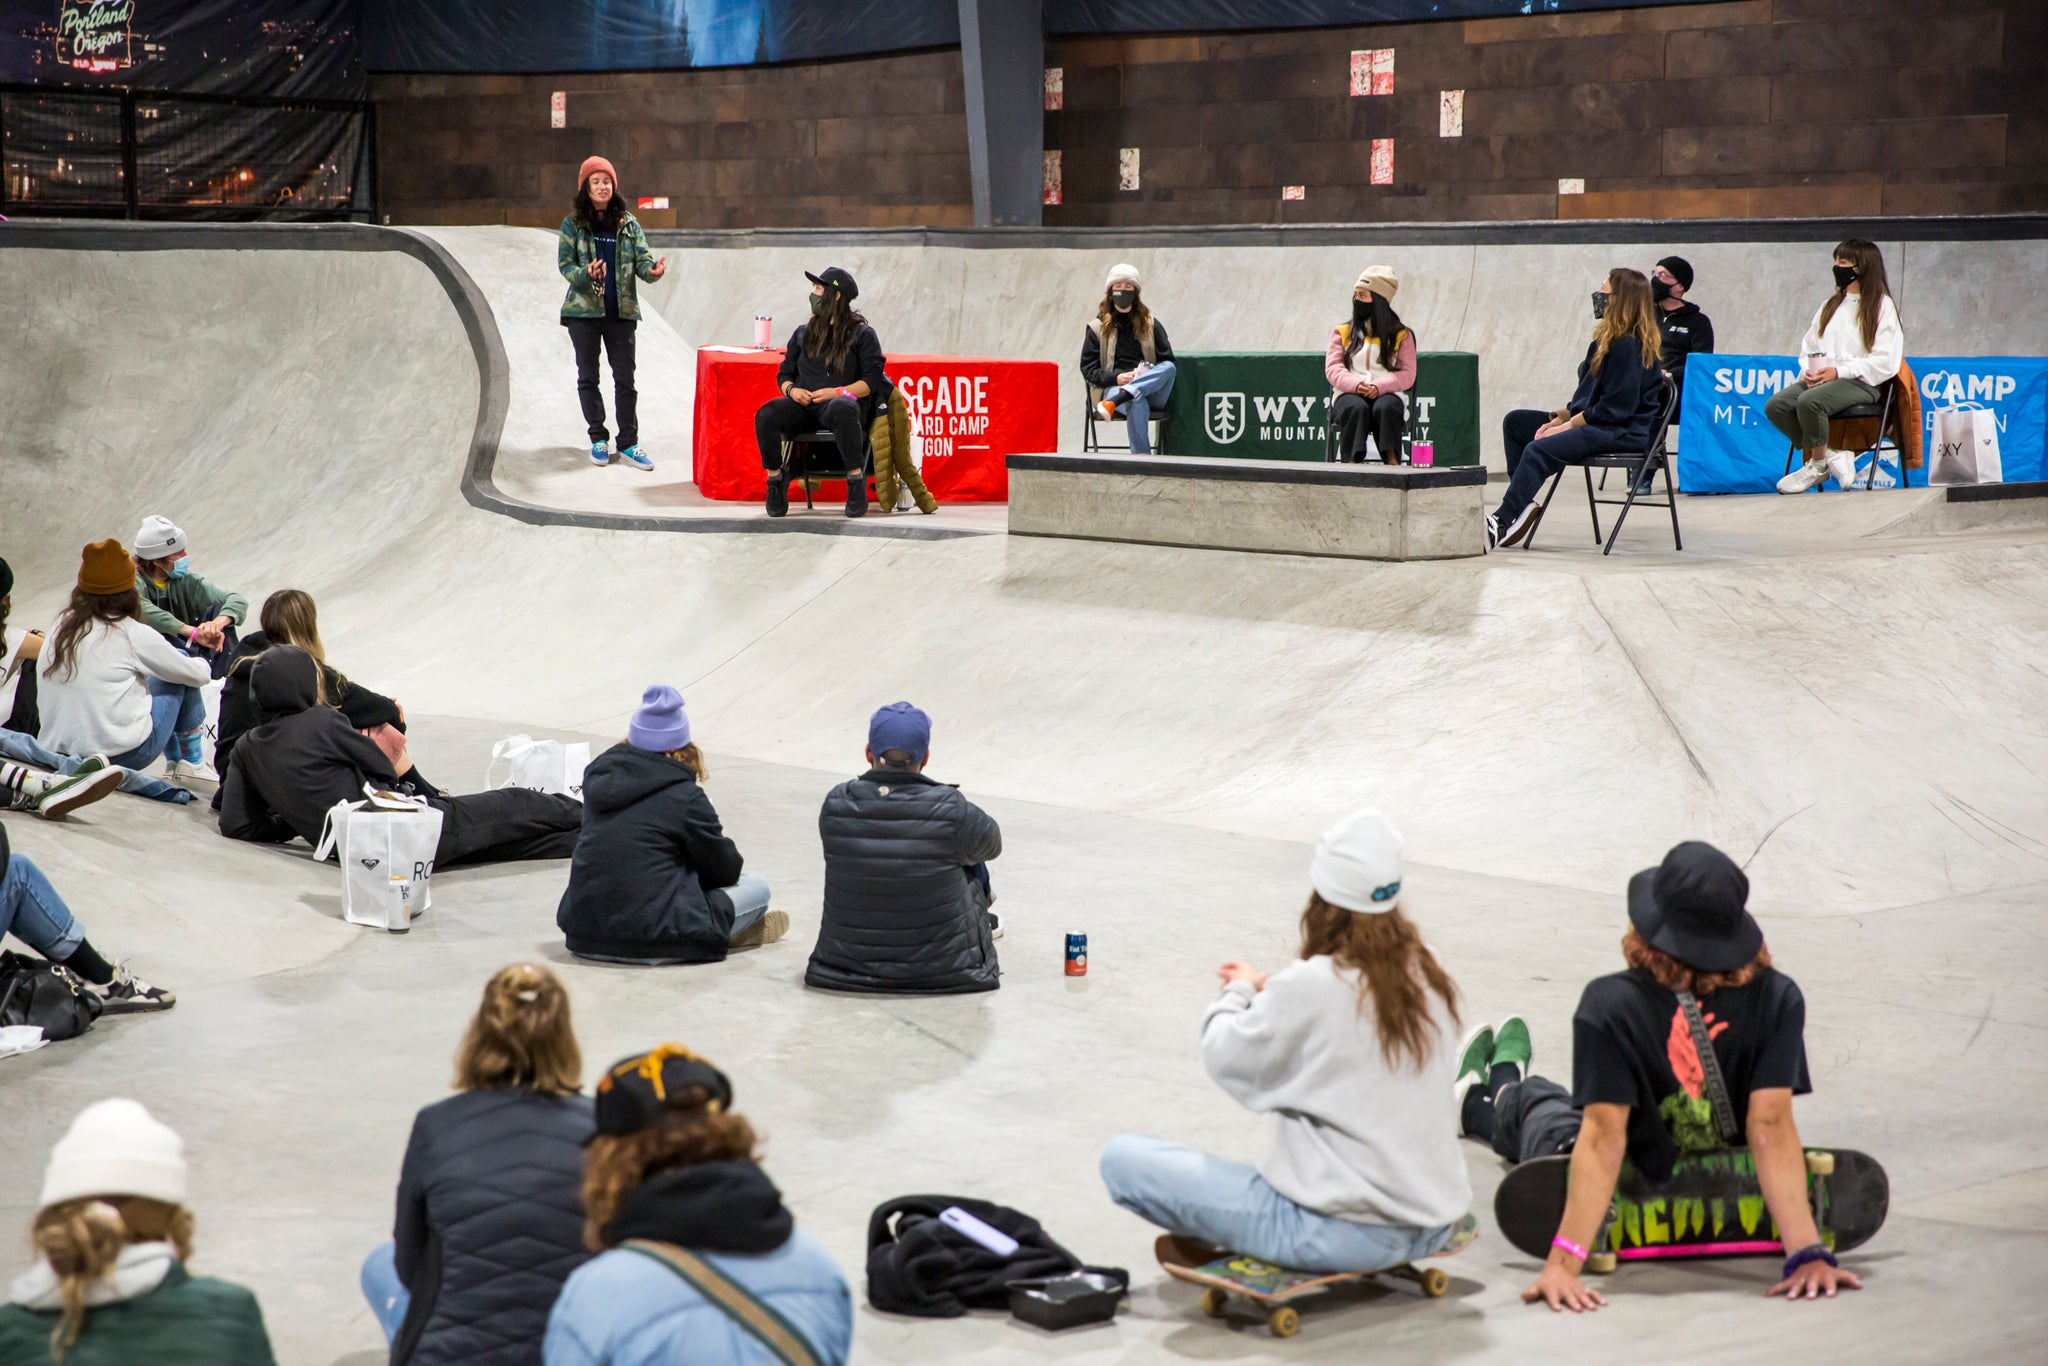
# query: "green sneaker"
[1511,1044]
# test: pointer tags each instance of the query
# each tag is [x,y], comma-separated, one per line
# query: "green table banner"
[1272,405]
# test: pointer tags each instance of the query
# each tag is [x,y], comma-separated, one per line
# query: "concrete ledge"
[1282,507]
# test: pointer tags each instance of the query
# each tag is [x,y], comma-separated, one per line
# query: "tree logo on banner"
[92,35]
[1223,417]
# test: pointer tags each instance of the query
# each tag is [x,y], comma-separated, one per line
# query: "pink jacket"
[1345,382]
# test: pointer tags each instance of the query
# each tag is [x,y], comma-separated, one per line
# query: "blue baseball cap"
[900,726]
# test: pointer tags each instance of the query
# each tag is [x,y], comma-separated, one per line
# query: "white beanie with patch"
[1122,270]
[159,539]
[116,1147]
[1357,864]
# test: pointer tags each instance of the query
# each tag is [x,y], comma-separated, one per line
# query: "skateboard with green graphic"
[1711,1207]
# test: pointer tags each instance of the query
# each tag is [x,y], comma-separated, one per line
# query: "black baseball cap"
[835,278]
[639,1090]
[1691,907]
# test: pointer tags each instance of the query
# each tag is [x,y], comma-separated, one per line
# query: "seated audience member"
[907,890]
[304,756]
[1638,1087]
[1349,1049]
[20,647]
[1684,329]
[831,378]
[110,685]
[1854,345]
[112,1236]
[1126,359]
[490,1215]
[1370,362]
[691,1235]
[655,879]
[32,912]
[189,611]
[1620,388]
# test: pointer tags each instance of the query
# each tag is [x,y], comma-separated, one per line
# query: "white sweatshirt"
[1843,342]
[1351,1138]
[101,705]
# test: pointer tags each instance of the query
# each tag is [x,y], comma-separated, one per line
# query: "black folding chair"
[1650,461]
[1887,440]
[801,466]
[1091,440]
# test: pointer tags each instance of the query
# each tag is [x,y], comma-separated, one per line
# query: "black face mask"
[1123,299]
[1361,316]
[1844,276]
[1659,291]
[1600,298]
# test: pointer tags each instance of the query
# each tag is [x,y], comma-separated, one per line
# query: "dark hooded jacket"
[649,864]
[901,912]
[300,759]
[490,1223]
[364,709]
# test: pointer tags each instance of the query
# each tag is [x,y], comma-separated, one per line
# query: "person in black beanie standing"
[831,377]
[1685,328]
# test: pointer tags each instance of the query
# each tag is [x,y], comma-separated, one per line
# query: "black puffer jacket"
[364,709]
[648,865]
[490,1223]
[901,913]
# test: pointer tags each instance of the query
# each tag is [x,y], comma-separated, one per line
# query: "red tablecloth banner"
[970,411]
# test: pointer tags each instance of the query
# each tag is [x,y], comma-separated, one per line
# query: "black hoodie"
[364,709]
[729,1206]
[649,864]
[300,759]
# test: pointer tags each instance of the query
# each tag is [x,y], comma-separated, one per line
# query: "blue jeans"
[1137,398]
[31,910]
[26,749]
[1230,1205]
[749,897]
[388,1297]
[175,712]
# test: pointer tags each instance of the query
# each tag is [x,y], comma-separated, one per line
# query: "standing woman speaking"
[601,253]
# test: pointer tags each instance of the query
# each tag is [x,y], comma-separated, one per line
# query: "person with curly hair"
[602,252]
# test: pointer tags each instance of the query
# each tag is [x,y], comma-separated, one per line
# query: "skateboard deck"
[1711,1207]
[1223,1274]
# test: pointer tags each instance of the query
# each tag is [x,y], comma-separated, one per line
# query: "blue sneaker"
[599,455]
[637,458]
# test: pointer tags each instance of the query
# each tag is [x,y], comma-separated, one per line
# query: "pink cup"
[1422,453]
[762,324]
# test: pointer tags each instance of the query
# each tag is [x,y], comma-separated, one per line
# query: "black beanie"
[1680,268]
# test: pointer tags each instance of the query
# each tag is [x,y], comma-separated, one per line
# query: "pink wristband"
[1565,1244]
[845,392]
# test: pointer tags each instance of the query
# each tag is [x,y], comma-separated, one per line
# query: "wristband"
[1813,1252]
[1564,1244]
[845,392]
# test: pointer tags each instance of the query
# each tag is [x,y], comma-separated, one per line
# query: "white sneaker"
[1842,465]
[1492,532]
[200,772]
[1807,476]
[995,924]
[1523,525]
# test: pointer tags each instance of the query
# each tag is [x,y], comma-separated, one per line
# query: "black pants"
[1534,1118]
[1517,430]
[510,823]
[1381,418]
[615,335]
[780,418]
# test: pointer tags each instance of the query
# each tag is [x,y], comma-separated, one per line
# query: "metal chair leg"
[1549,493]
[1671,502]
[1591,505]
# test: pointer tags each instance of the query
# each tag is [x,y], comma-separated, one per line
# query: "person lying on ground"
[33,912]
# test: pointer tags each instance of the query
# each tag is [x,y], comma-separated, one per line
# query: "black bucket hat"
[1691,907]
[836,279]
[639,1090]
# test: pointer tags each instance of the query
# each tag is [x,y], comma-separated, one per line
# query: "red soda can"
[1077,955]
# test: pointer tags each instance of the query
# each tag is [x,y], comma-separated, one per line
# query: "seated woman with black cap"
[1638,1081]
[831,377]
[699,1260]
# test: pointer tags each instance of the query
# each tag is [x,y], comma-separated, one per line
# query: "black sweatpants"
[615,335]
[1534,1118]
[1357,417]
[509,823]
[780,418]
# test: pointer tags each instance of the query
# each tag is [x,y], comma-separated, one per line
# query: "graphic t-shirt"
[606,245]
[1631,1046]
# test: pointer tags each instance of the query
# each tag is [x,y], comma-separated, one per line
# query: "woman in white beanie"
[112,1236]
[1351,1049]
[1126,358]
[1370,362]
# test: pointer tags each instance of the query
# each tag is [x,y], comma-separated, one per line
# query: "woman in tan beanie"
[1370,362]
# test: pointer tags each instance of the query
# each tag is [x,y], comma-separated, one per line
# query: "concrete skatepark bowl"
[1845,692]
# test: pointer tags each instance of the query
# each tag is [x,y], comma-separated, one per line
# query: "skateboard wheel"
[1213,1301]
[1284,1321]
[1434,1281]
[1601,1263]
[1820,1164]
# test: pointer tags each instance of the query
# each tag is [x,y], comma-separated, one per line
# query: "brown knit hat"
[106,569]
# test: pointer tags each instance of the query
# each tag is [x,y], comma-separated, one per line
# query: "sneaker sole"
[1520,532]
[101,783]
[767,930]
[136,1005]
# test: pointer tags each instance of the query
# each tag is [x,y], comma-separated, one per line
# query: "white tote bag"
[542,765]
[387,845]
[1965,447]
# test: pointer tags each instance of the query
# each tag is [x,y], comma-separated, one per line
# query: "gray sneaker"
[128,994]
[63,795]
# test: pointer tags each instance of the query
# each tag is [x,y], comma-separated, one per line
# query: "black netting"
[62,152]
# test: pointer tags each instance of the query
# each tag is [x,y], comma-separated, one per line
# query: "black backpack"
[33,992]
[918,1265]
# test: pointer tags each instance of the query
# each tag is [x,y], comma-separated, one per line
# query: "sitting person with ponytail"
[112,1236]
[699,1262]
[1351,1050]
[489,1221]
[1370,362]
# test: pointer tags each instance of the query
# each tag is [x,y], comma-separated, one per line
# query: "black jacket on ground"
[645,877]
[901,913]
[490,1223]
[298,761]
[364,709]
[1621,397]
[1687,331]
[1129,353]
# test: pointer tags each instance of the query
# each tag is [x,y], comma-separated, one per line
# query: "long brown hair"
[86,610]
[522,1036]
[831,333]
[690,1133]
[1872,288]
[1630,313]
[1110,320]
[1673,975]
[1382,324]
[83,1238]
[1396,973]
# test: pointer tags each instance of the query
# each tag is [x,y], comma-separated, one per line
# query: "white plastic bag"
[387,845]
[542,765]
[1965,447]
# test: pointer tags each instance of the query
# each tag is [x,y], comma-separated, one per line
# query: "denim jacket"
[573,254]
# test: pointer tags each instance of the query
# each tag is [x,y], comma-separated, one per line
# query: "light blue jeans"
[26,749]
[388,1297]
[749,897]
[32,912]
[176,713]
[1230,1205]
[1137,400]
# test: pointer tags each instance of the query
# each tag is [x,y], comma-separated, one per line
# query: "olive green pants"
[1801,410]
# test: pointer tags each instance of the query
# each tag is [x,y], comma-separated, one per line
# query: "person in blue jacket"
[1620,388]
[699,1263]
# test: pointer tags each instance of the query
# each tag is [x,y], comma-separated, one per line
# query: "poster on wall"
[304,48]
